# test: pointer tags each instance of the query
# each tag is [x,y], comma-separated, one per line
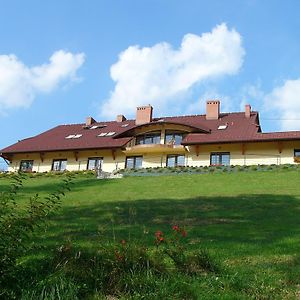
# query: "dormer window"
[148,138]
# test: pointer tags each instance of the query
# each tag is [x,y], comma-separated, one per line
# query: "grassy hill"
[247,222]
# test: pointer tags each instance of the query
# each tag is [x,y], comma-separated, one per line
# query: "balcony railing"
[155,148]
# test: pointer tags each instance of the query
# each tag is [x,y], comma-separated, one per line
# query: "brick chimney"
[212,109]
[89,121]
[120,118]
[143,114]
[247,110]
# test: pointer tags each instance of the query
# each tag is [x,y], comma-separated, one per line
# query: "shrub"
[17,226]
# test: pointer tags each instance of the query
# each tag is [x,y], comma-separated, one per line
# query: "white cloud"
[284,101]
[19,84]
[161,75]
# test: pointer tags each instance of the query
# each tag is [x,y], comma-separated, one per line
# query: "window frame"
[176,160]
[220,158]
[60,160]
[95,158]
[148,135]
[27,170]
[134,161]
[174,133]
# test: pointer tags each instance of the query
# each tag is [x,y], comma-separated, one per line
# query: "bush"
[17,226]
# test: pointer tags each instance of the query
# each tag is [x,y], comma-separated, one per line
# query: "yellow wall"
[254,153]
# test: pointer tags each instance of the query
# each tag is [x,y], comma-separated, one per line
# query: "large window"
[95,163]
[297,153]
[220,158]
[148,138]
[26,165]
[59,165]
[134,162]
[175,160]
[173,138]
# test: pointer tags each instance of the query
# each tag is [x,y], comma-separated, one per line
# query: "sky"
[61,61]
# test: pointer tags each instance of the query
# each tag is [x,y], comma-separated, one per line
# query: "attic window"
[124,125]
[102,134]
[70,136]
[222,127]
[73,136]
[111,133]
[98,126]
[77,136]
[161,120]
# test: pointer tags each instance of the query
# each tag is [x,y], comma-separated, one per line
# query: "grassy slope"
[250,220]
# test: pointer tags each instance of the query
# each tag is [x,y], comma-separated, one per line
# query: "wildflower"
[158,233]
[176,228]
[159,236]
[183,233]
[123,242]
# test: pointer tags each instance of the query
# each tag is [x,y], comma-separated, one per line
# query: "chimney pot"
[89,121]
[212,109]
[120,118]
[143,114]
[247,110]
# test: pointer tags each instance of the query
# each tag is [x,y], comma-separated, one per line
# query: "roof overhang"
[189,128]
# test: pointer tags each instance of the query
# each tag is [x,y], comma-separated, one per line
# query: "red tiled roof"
[239,129]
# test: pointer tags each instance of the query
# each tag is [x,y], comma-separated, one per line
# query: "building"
[199,140]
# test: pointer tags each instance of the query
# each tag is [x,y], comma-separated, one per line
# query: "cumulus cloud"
[19,84]
[284,101]
[160,74]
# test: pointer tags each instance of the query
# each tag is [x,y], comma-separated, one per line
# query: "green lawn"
[247,220]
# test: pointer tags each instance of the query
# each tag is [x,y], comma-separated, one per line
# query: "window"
[175,160]
[173,138]
[95,163]
[222,127]
[59,165]
[134,162]
[148,138]
[220,158]
[102,134]
[26,165]
[297,153]
[73,136]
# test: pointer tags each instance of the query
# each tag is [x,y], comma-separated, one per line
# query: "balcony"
[155,148]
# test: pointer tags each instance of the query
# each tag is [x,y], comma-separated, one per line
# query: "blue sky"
[61,61]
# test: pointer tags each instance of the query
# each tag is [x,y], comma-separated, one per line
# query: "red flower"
[159,236]
[176,228]
[158,233]
[183,233]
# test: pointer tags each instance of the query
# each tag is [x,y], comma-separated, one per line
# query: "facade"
[199,140]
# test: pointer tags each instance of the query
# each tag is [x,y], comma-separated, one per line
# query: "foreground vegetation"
[216,235]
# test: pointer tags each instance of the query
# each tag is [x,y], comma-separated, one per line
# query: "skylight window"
[94,127]
[70,136]
[73,136]
[124,125]
[102,134]
[111,133]
[222,127]
[98,126]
